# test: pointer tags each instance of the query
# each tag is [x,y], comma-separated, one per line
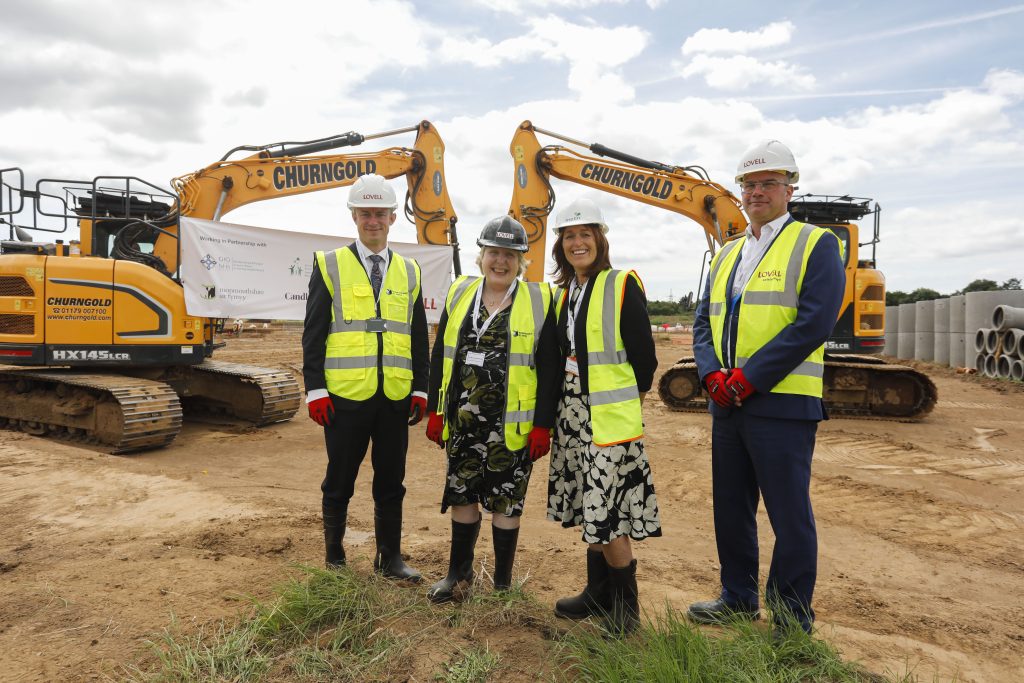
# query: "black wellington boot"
[459,581]
[334,534]
[624,616]
[596,598]
[387,525]
[505,541]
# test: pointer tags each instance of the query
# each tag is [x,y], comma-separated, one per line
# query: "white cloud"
[740,71]
[592,72]
[528,6]
[712,40]
[655,4]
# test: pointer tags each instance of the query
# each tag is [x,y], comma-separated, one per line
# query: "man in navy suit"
[770,303]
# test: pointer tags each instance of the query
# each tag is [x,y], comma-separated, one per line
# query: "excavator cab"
[860,328]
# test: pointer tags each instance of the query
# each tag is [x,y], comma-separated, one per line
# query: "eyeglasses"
[765,186]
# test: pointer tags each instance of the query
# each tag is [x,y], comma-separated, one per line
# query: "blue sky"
[917,105]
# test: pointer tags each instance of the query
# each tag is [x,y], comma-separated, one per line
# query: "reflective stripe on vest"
[615,412]
[350,367]
[768,303]
[526,319]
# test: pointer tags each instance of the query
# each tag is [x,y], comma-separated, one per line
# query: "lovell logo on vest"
[774,275]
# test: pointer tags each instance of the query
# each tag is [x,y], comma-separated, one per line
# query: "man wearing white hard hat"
[770,302]
[365,367]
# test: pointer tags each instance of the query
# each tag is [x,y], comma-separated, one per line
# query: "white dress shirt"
[753,249]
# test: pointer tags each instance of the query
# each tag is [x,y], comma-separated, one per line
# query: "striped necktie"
[376,276]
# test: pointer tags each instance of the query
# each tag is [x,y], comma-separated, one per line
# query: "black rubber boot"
[459,581]
[596,598]
[387,526]
[624,616]
[334,534]
[505,541]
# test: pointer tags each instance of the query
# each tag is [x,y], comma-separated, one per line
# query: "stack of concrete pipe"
[1000,348]
[960,331]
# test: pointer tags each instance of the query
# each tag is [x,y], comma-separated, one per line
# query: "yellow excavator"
[857,384]
[107,352]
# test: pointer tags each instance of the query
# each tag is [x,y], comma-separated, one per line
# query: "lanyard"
[572,312]
[477,329]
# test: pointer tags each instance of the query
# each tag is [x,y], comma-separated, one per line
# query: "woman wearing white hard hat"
[600,479]
[493,388]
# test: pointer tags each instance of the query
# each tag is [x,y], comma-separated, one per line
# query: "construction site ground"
[921,530]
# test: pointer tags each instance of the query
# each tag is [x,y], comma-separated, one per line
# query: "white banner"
[241,271]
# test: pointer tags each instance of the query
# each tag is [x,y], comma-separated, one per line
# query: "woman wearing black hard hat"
[493,389]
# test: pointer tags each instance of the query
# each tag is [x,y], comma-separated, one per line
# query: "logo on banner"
[208,262]
[209,292]
[297,269]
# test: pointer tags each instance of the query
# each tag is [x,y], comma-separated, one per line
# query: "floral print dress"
[480,468]
[607,490]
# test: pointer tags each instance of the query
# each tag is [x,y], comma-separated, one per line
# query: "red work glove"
[321,411]
[715,384]
[417,409]
[538,443]
[435,429]
[739,386]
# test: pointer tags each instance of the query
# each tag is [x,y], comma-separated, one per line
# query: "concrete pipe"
[892,322]
[924,330]
[979,339]
[991,340]
[979,363]
[958,339]
[991,367]
[941,351]
[1013,342]
[978,310]
[1007,317]
[907,336]
[1017,370]
[1003,367]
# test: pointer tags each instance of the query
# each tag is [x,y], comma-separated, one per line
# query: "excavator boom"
[678,189]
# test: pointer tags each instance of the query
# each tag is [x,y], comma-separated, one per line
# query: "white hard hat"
[580,212]
[768,155]
[372,190]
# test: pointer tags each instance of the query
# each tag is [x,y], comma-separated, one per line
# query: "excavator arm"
[287,169]
[683,190]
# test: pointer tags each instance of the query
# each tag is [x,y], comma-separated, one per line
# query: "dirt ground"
[920,525]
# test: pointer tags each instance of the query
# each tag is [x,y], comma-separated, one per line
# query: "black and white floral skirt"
[607,490]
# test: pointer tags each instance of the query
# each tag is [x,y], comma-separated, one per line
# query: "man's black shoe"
[718,611]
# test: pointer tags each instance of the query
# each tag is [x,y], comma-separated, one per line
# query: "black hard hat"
[505,232]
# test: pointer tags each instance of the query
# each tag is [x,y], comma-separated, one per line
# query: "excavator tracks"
[255,394]
[855,387]
[120,414]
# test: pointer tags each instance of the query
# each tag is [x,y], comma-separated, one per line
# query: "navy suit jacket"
[821,296]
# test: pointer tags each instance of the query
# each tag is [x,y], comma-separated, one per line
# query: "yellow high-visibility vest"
[615,412]
[769,302]
[530,305]
[350,367]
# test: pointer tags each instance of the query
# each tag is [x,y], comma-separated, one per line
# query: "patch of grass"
[214,653]
[325,625]
[473,665]
[671,649]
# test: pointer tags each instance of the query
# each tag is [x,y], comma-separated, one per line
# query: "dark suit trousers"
[754,456]
[355,425]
